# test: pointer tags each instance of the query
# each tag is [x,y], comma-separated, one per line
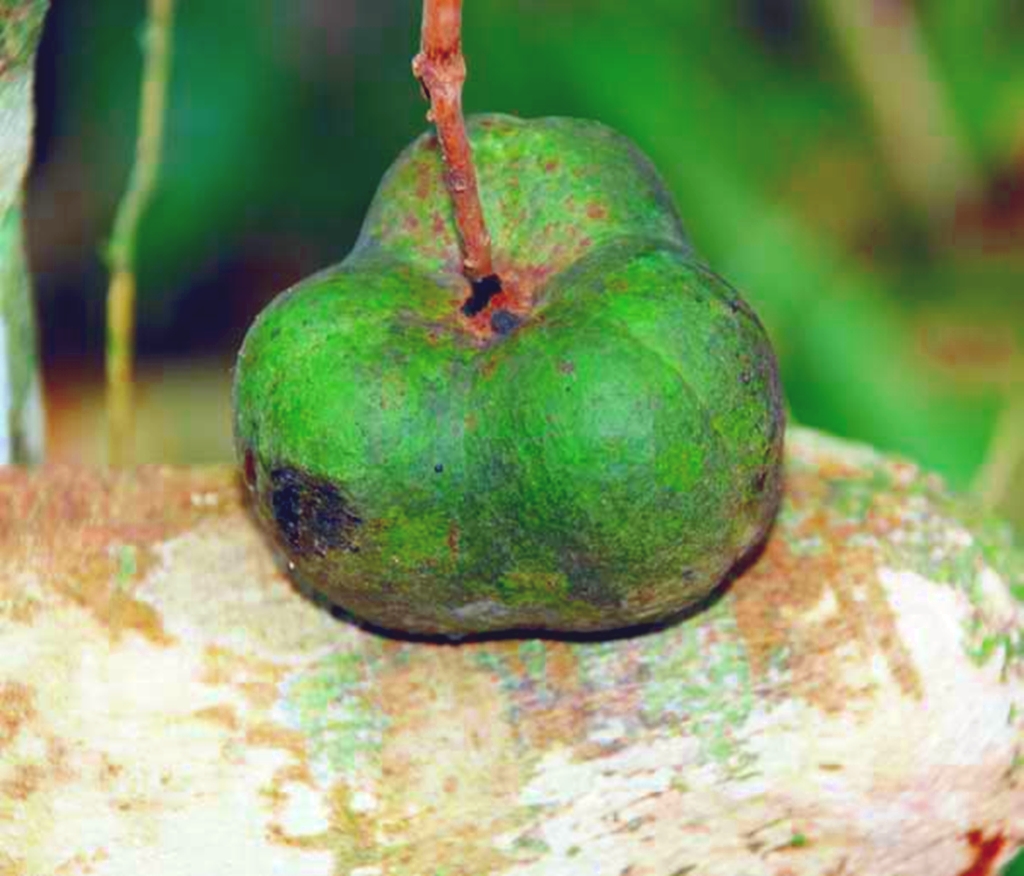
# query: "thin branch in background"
[1005,456]
[924,148]
[441,70]
[122,250]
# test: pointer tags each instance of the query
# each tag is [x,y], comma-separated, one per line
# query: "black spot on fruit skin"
[483,291]
[503,322]
[312,514]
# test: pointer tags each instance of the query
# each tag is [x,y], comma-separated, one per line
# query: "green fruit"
[593,450]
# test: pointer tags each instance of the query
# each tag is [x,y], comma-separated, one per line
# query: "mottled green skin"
[601,466]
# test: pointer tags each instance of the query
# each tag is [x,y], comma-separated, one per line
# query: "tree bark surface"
[21,420]
[852,704]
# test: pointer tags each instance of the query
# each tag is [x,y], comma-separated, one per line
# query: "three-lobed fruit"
[592,447]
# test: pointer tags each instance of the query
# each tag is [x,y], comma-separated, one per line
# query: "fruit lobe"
[593,450]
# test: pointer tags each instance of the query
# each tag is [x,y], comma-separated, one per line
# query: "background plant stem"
[916,127]
[121,293]
[441,69]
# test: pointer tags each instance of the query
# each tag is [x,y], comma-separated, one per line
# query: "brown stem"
[441,70]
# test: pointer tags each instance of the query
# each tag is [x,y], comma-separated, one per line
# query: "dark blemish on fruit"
[735,305]
[483,291]
[504,321]
[411,223]
[439,468]
[250,469]
[550,166]
[758,484]
[596,211]
[566,367]
[312,513]
[986,851]
[453,539]
[745,377]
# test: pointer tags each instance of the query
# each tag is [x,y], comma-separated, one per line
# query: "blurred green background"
[855,167]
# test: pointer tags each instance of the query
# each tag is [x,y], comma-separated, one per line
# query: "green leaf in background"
[1015,867]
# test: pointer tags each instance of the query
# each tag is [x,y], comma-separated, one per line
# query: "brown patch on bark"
[559,715]
[12,866]
[81,521]
[780,606]
[256,679]
[25,780]
[276,835]
[296,773]
[260,694]
[431,744]
[986,853]
[110,772]
[224,716]
[277,798]
[17,707]
[269,735]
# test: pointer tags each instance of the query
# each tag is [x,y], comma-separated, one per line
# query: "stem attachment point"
[483,291]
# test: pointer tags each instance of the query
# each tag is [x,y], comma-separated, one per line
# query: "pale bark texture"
[21,432]
[853,704]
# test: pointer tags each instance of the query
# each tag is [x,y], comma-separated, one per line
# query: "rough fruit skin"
[595,458]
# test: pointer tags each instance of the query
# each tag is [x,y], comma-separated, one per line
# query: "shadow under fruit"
[590,445]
